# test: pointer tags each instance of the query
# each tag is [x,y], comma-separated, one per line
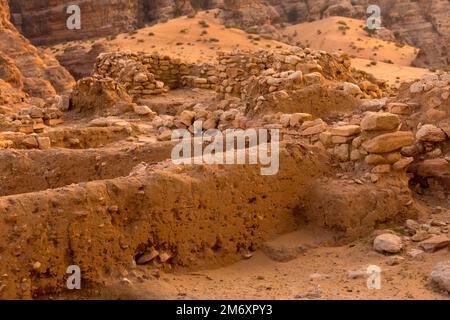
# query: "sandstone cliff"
[46,21]
[422,23]
[24,68]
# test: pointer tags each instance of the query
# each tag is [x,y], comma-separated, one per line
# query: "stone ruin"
[144,75]
[359,149]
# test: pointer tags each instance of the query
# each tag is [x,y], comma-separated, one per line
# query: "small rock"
[351,89]
[37,265]
[357,274]
[394,260]
[142,110]
[126,281]
[399,108]
[380,121]
[402,163]
[420,236]
[164,256]
[279,253]
[415,254]
[187,117]
[441,275]
[382,169]
[148,256]
[438,223]
[388,243]
[430,133]
[412,225]
[44,143]
[345,131]
[435,243]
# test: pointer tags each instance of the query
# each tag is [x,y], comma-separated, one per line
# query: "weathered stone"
[187,117]
[313,78]
[296,77]
[314,130]
[420,236]
[382,169]
[394,260]
[399,108]
[351,89]
[430,133]
[402,163]
[44,143]
[441,275]
[388,158]
[380,121]
[297,118]
[142,110]
[433,168]
[341,152]
[435,243]
[356,155]
[389,142]
[148,256]
[387,243]
[340,139]
[30,142]
[415,254]
[372,105]
[345,131]
[446,128]
[326,138]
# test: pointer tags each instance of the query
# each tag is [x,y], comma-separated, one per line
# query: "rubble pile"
[255,74]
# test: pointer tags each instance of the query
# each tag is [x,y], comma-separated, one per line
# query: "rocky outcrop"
[79,60]
[423,23]
[26,70]
[44,23]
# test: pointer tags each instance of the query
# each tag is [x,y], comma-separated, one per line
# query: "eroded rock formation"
[423,23]
[26,70]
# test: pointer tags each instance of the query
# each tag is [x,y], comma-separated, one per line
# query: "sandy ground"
[325,34]
[187,39]
[392,73]
[320,271]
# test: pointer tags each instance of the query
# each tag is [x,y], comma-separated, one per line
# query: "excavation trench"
[197,216]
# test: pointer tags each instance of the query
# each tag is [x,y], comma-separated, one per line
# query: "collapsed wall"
[142,74]
[105,226]
[26,71]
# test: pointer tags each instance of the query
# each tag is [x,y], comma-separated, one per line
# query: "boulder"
[388,243]
[430,133]
[440,275]
[433,168]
